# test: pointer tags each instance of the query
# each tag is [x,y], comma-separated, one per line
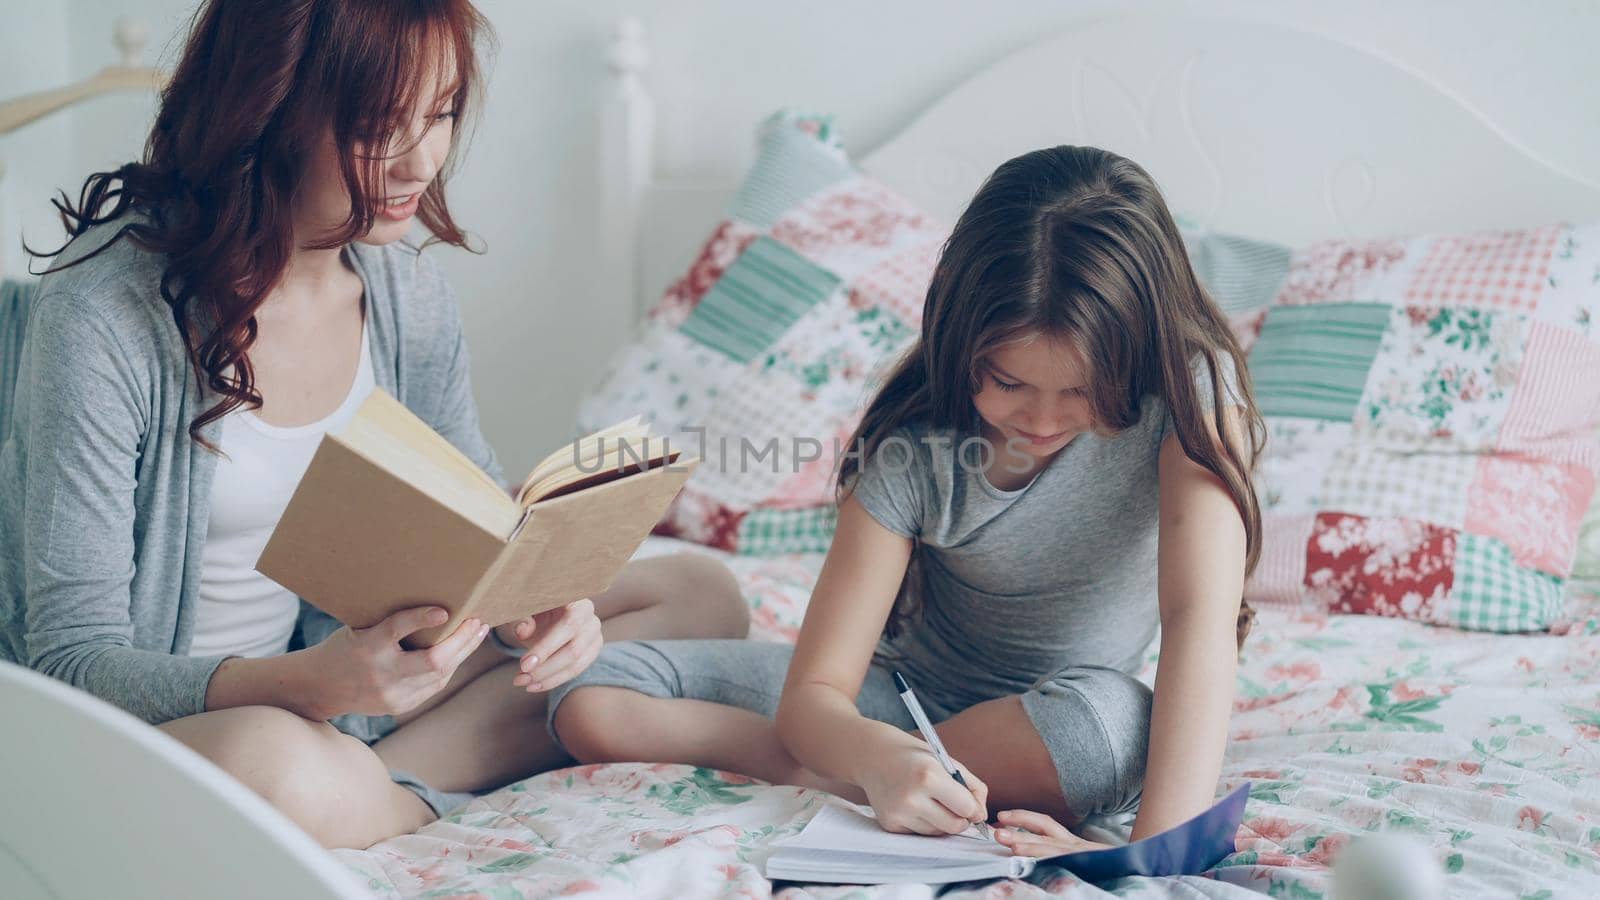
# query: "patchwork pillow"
[760,357]
[1431,406]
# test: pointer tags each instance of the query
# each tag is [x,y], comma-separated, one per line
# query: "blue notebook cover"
[1188,849]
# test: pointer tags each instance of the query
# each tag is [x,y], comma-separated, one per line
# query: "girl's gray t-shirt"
[1017,585]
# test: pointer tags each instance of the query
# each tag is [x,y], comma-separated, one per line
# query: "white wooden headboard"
[1251,128]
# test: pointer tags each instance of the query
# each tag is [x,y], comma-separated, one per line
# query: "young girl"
[222,305]
[1021,585]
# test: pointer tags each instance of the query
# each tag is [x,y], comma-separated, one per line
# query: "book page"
[603,456]
[582,448]
[387,433]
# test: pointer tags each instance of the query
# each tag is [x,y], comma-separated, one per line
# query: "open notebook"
[844,845]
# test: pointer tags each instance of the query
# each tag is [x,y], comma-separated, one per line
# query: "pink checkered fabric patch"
[1501,270]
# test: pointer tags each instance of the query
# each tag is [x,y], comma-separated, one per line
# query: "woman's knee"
[304,768]
[705,590]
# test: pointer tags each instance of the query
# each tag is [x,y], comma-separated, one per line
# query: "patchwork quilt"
[1484,746]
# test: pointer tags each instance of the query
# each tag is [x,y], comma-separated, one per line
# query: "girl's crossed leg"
[1073,746]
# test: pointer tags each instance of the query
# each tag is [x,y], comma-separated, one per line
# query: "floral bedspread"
[1485,746]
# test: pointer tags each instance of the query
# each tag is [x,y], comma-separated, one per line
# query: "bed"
[1484,746]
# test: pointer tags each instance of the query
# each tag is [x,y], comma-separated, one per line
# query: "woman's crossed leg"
[480,731]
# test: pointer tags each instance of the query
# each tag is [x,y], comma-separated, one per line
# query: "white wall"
[527,186]
[29,159]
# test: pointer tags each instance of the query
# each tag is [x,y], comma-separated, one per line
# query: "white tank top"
[242,612]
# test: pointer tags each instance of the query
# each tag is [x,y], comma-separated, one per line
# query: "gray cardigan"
[104,498]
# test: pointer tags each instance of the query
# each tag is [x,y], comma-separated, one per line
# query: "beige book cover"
[390,515]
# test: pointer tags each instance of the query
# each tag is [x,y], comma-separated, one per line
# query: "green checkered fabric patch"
[767,531]
[1493,593]
[1312,361]
[756,300]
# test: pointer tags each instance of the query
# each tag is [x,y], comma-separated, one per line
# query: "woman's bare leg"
[479,732]
[330,784]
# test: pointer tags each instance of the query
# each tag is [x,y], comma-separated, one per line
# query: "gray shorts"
[371,729]
[1094,721]
[314,627]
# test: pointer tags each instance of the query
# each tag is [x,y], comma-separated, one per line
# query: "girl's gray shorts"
[1094,721]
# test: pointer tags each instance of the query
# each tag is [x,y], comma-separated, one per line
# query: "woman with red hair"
[220,305]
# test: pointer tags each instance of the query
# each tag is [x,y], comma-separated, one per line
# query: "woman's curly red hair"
[259,83]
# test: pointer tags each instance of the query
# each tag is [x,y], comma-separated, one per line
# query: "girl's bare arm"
[817,718]
[1201,579]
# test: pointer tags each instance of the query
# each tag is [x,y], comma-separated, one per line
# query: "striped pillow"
[1432,406]
[1241,274]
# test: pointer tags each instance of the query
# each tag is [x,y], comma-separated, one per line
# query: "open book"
[844,845]
[390,515]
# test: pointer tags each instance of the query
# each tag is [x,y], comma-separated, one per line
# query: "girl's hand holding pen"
[947,764]
[911,792]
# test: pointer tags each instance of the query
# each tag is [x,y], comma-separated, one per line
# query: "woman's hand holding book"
[560,643]
[367,671]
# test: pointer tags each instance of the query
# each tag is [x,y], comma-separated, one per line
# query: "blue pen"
[932,737]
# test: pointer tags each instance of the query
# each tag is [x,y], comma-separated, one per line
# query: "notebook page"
[831,867]
[842,828]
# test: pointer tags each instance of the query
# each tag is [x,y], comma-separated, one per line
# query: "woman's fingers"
[555,635]
[443,657]
[574,654]
[471,648]
[406,622]
[524,629]
[564,665]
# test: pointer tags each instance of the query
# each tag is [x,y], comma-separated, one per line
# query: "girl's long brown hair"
[259,84]
[1076,243]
